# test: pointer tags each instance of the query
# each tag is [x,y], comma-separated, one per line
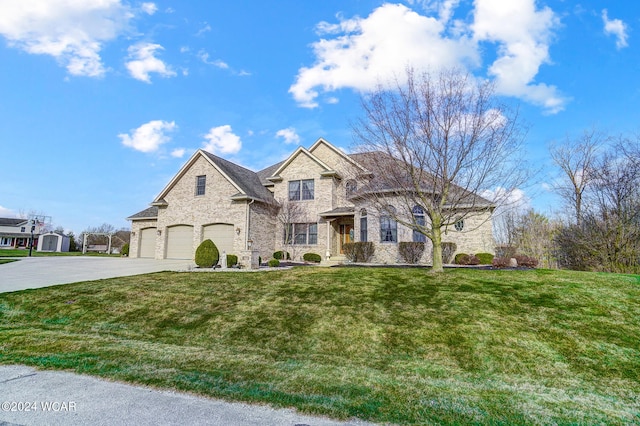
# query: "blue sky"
[102,101]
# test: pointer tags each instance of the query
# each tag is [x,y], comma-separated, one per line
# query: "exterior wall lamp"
[238,231]
[159,232]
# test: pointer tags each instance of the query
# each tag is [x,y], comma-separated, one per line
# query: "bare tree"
[287,214]
[438,141]
[577,159]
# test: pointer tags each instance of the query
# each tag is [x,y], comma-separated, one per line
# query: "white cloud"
[5,212]
[516,198]
[149,8]
[149,136]
[376,48]
[523,35]
[204,57]
[358,53]
[72,31]
[222,140]
[143,62]
[205,29]
[178,153]
[289,135]
[616,28]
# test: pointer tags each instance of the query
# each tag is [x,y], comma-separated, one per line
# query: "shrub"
[273,263]
[259,260]
[207,254]
[526,261]
[125,250]
[312,257]
[465,259]
[447,251]
[232,260]
[411,251]
[361,252]
[485,258]
[500,262]
[280,255]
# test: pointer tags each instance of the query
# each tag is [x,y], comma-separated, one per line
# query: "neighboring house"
[15,233]
[321,187]
[53,241]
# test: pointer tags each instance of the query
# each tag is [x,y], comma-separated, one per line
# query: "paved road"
[59,398]
[35,272]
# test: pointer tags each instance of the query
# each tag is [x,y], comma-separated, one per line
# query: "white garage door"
[222,236]
[148,242]
[180,242]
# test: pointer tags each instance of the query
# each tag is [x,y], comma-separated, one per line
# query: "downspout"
[248,223]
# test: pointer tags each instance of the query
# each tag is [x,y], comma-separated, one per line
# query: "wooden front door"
[346,236]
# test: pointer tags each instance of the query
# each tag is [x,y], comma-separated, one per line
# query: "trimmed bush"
[526,261]
[207,254]
[259,260]
[273,263]
[360,252]
[125,250]
[312,257]
[485,258]
[280,255]
[232,260]
[411,251]
[500,262]
[448,249]
[465,259]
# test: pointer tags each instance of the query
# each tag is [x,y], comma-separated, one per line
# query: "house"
[15,233]
[322,207]
[53,242]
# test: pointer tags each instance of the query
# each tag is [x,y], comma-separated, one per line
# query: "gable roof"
[244,180]
[326,170]
[322,141]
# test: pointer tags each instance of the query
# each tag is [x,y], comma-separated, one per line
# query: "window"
[201,182]
[301,233]
[23,229]
[363,225]
[459,225]
[301,190]
[351,187]
[418,216]
[388,227]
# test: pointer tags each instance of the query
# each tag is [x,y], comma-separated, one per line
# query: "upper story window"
[418,215]
[23,229]
[201,183]
[351,187]
[459,225]
[301,190]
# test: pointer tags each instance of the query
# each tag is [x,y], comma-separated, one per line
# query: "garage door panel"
[180,242]
[148,242]
[222,235]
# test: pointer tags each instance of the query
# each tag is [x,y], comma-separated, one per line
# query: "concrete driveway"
[36,272]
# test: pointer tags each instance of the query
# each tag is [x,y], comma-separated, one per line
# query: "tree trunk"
[437,249]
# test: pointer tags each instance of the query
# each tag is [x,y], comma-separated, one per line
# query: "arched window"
[418,217]
[363,225]
[388,226]
[351,187]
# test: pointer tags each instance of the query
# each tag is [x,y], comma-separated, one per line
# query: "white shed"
[52,241]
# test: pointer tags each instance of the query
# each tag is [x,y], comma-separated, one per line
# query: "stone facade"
[336,214]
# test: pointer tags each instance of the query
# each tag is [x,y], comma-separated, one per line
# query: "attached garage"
[180,242]
[148,242]
[222,235]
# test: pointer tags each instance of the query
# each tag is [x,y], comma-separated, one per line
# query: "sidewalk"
[33,397]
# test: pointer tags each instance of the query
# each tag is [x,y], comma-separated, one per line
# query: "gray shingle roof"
[11,221]
[265,173]
[247,180]
[148,213]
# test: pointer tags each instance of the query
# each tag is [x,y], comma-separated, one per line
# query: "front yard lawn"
[25,253]
[387,345]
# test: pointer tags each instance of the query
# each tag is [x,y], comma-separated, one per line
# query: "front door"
[346,236]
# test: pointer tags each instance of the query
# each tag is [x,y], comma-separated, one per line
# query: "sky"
[102,101]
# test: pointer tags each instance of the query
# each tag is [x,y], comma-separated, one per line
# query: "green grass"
[6,261]
[25,253]
[387,345]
